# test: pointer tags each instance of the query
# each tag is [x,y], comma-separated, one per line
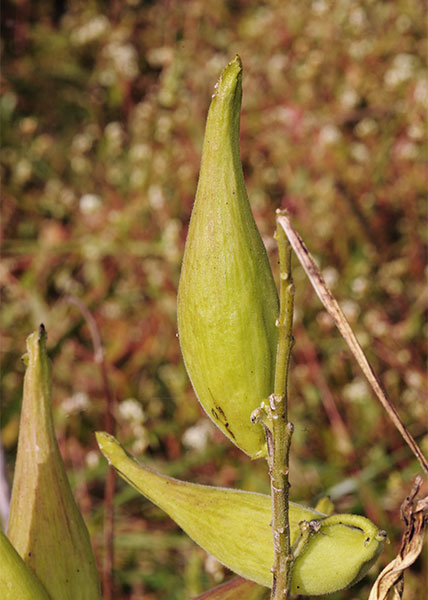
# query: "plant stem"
[280,431]
[109,488]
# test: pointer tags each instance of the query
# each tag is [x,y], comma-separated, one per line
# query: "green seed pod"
[233,526]
[45,525]
[227,299]
[17,581]
[325,505]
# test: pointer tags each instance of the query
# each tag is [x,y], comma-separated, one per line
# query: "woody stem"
[280,430]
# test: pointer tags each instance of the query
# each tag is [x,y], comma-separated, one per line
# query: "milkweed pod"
[227,299]
[17,581]
[233,526]
[325,505]
[45,525]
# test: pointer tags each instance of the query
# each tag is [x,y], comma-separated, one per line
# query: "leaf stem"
[279,432]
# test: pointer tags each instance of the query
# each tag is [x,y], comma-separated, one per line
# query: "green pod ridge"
[45,525]
[227,299]
[17,581]
[234,526]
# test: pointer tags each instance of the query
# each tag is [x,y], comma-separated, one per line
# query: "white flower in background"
[356,391]
[329,134]
[359,285]
[375,323]
[414,379]
[421,92]
[124,58]
[159,57]
[82,142]
[89,203]
[23,171]
[66,196]
[331,276]
[130,410]
[357,17]
[156,197]
[114,134]
[92,458]
[360,153]
[107,77]
[76,403]
[415,131]
[407,150]
[197,436]
[366,127]
[350,309]
[319,7]
[91,31]
[401,70]
[139,152]
[170,237]
[349,98]
[360,48]
[214,568]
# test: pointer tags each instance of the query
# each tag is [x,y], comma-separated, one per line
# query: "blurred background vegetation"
[102,111]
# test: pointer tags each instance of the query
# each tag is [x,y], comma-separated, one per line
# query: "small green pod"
[227,299]
[234,526]
[45,525]
[17,581]
[325,505]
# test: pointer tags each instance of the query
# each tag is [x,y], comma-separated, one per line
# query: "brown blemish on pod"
[229,430]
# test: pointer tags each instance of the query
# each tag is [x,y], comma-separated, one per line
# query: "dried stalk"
[334,310]
[109,424]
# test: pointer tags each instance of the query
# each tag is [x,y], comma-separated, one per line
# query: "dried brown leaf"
[415,516]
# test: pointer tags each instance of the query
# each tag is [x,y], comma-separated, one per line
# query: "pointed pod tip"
[108,445]
[103,438]
[229,79]
[36,346]
[42,336]
[236,60]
